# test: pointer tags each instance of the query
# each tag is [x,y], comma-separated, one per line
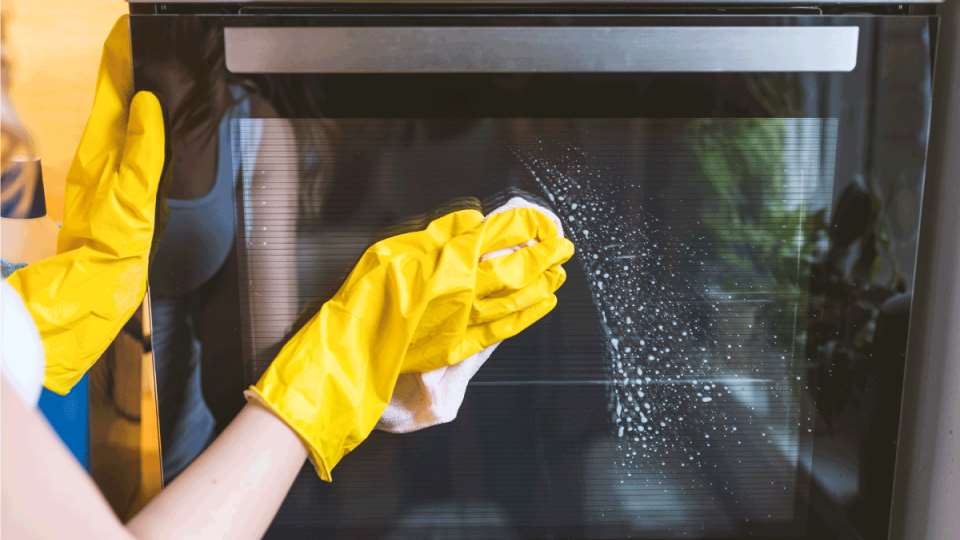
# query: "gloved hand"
[422,400]
[413,302]
[82,297]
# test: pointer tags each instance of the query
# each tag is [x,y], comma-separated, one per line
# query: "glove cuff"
[320,464]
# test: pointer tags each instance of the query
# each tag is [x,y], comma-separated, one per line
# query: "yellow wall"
[55,46]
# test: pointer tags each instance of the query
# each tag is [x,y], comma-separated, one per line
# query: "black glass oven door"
[744,195]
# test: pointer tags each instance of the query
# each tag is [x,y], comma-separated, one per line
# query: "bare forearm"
[234,488]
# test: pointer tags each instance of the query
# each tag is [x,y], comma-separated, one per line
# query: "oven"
[743,184]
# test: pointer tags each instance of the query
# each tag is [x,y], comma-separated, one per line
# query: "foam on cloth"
[422,400]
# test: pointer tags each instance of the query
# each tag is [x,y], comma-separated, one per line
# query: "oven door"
[744,195]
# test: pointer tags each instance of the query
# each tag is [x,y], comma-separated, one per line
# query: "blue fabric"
[70,417]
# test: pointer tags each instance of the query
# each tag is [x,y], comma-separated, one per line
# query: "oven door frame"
[787,45]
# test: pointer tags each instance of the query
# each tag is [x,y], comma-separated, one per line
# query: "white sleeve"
[21,351]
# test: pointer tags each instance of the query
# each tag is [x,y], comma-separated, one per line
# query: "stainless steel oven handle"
[572,49]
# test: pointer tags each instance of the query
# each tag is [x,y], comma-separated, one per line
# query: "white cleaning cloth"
[21,351]
[421,400]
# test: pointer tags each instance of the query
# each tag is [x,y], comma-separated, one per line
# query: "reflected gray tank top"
[200,232]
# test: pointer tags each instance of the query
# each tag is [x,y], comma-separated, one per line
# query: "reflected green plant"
[757,222]
[767,237]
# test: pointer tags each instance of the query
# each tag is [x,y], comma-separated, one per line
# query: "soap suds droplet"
[647,297]
[673,335]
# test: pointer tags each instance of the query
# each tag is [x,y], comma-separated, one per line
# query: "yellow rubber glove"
[82,297]
[413,302]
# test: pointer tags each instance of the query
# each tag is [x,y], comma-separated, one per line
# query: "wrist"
[295,423]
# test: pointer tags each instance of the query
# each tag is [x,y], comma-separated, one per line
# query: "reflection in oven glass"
[666,392]
[727,354]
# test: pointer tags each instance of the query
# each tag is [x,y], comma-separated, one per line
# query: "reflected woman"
[193,274]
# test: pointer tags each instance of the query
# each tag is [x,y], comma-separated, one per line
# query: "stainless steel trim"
[574,49]
[639,2]
[926,498]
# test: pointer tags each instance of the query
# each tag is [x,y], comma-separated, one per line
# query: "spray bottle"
[28,234]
